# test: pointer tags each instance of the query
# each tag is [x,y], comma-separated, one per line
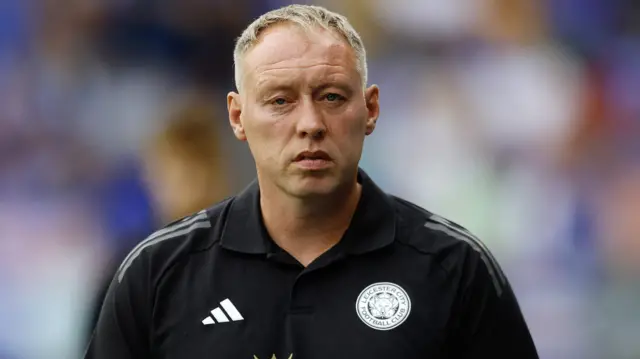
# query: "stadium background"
[519,119]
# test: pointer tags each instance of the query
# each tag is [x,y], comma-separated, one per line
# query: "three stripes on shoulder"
[188,224]
[440,224]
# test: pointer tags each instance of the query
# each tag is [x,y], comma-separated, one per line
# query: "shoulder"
[455,248]
[174,241]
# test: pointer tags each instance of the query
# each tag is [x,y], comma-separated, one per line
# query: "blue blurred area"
[519,119]
[14,26]
[128,208]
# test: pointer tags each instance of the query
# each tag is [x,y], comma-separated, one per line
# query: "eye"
[280,101]
[332,97]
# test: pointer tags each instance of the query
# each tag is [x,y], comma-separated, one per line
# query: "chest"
[262,309]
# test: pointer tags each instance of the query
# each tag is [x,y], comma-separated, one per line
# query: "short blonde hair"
[307,17]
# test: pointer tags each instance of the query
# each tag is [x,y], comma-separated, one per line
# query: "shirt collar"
[373,225]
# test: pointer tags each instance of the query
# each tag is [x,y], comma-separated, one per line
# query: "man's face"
[303,110]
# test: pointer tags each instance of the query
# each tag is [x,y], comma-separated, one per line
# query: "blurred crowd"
[519,119]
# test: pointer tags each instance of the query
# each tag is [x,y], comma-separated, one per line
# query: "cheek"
[266,135]
[352,124]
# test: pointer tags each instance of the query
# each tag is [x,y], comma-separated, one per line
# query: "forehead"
[285,50]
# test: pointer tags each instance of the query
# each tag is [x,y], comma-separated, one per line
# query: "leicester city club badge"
[383,306]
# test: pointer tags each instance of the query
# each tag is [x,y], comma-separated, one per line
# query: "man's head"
[302,104]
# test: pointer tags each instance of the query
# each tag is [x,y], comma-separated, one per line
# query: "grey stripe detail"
[477,240]
[185,222]
[475,246]
[176,226]
[156,238]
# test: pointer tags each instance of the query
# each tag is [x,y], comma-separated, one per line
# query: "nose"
[311,122]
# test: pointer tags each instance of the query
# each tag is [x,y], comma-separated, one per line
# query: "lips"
[312,155]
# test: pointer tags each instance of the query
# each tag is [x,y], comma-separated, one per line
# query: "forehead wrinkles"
[312,73]
[292,49]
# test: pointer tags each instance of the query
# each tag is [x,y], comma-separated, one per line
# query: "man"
[312,260]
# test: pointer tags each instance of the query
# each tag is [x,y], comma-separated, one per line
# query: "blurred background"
[519,119]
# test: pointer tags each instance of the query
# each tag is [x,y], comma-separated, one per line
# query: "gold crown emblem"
[274,357]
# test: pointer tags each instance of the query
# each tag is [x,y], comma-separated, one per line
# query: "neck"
[307,227]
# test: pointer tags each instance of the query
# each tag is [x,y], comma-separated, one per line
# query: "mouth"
[314,161]
[312,156]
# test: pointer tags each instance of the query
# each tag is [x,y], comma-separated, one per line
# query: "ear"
[234,106]
[372,97]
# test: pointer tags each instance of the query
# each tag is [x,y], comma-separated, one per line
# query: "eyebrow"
[265,89]
[263,86]
[339,85]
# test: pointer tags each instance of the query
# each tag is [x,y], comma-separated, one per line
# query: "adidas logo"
[218,315]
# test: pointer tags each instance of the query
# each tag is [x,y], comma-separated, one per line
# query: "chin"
[312,187]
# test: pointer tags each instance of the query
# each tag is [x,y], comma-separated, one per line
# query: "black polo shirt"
[402,283]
